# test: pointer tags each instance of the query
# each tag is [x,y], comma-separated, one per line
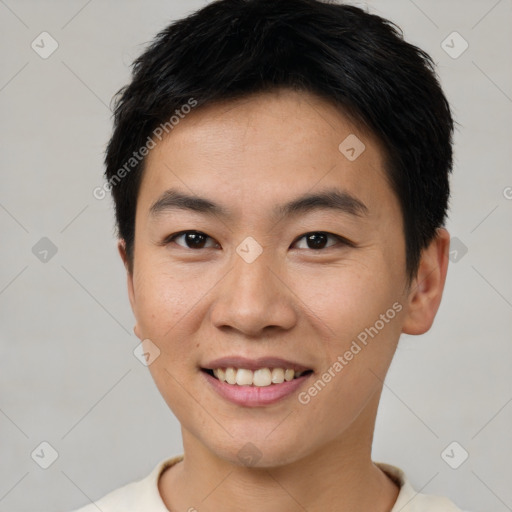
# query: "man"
[280,176]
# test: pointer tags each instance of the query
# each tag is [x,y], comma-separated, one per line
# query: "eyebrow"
[328,199]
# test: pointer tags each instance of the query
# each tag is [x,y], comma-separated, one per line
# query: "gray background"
[68,375]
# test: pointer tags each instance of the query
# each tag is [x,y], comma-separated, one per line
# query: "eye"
[317,240]
[192,240]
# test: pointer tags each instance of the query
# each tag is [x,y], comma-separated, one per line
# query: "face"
[251,271]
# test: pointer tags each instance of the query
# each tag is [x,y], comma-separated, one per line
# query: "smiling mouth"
[262,377]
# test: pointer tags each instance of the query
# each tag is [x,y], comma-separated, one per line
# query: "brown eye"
[191,240]
[318,240]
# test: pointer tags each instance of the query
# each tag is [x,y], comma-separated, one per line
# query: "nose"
[254,299]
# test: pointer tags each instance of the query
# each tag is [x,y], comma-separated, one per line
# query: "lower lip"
[254,396]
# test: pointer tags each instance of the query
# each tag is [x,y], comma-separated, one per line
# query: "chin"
[261,453]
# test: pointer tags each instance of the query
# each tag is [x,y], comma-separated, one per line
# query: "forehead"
[252,153]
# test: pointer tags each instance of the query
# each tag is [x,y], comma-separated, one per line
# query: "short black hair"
[358,61]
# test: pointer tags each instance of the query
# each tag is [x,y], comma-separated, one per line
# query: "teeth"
[277,375]
[230,375]
[244,377]
[260,378]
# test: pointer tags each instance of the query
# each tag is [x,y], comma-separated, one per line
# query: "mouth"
[258,382]
[261,377]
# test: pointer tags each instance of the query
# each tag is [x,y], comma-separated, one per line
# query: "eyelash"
[341,240]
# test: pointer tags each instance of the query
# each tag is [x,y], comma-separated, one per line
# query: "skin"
[293,302]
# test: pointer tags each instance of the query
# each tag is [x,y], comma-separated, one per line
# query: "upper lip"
[255,364]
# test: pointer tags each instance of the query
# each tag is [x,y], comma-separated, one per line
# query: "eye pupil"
[195,239]
[315,242]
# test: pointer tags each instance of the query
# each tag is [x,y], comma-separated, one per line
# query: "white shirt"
[144,496]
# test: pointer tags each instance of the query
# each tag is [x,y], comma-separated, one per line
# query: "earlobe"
[427,288]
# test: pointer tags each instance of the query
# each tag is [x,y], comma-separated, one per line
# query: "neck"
[339,475]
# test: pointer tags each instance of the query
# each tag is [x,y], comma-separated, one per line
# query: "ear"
[121,247]
[426,289]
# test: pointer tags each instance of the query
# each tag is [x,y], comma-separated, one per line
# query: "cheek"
[162,299]
[360,319]
[345,299]
[166,313]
